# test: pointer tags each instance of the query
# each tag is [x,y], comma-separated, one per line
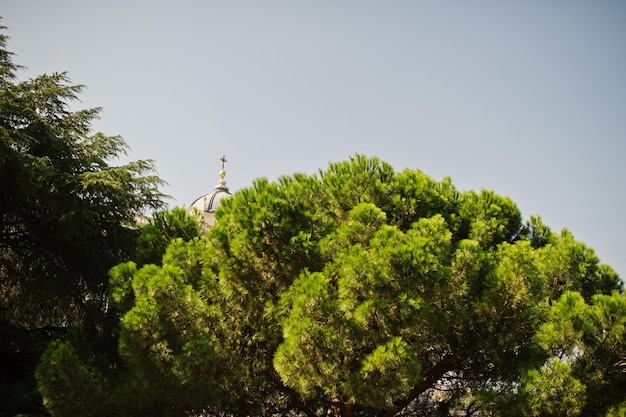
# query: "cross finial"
[222,172]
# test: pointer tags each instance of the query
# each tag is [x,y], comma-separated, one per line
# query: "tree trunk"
[338,408]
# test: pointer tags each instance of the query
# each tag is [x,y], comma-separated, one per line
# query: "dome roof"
[208,203]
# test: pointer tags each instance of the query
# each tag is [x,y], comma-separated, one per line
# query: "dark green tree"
[76,379]
[67,215]
[362,291]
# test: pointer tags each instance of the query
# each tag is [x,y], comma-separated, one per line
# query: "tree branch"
[44,329]
[433,374]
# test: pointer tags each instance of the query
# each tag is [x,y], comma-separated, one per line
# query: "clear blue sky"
[527,98]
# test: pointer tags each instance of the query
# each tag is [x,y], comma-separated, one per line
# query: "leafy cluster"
[365,291]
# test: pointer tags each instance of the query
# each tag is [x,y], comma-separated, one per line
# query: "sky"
[527,99]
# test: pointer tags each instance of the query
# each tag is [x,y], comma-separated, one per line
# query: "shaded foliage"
[67,215]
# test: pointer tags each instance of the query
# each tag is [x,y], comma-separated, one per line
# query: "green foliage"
[388,373]
[73,387]
[164,226]
[361,291]
[67,215]
[135,294]
[553,391]
[568,265]
[591,337]
[617,411]
[489,219]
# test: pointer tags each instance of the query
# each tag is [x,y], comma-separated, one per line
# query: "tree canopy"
[67,215]
[359,291]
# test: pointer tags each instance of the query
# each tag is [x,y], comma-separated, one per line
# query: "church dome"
[209,203]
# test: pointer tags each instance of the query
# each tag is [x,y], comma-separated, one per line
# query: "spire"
[221,183]
[209,203]
[222,172]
